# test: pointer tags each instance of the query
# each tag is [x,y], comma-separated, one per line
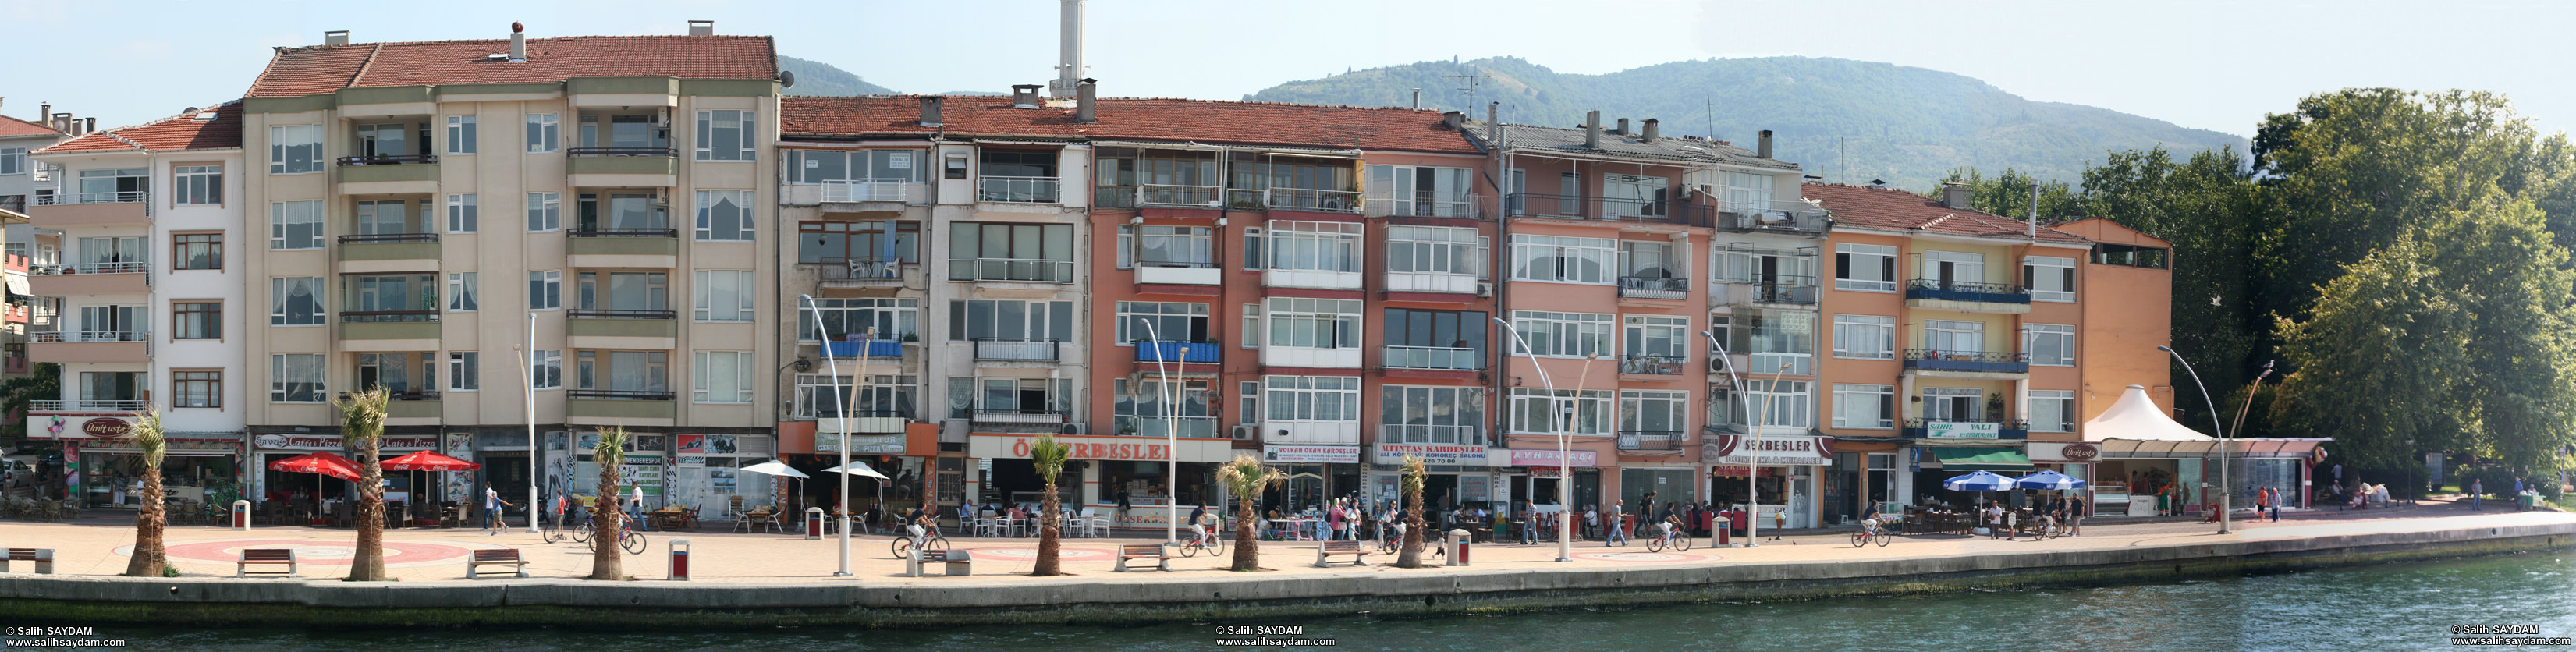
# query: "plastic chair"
[1096,525]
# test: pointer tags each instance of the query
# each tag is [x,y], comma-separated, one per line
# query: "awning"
[2135,417]
[1982,459]
[2249,448]
[18,286]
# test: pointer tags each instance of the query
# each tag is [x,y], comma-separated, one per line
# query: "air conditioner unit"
[1716,365]
[1245,431]
[662,118]
[1484,290]
[1071,429]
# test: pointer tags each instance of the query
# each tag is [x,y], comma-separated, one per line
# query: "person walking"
[1525,520]
[635,501]
[492,504]
[2075,516]
[1615,521]
[1333,517]
[2477,491]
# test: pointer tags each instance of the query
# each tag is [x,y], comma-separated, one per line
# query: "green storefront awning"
[1982,458]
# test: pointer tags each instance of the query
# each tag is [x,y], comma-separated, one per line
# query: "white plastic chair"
[1096,525]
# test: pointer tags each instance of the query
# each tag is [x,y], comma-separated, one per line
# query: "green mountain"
[818,78]
[1845,120]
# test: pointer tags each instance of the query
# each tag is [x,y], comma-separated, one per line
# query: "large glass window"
[1585,412]
[1172,246]
[195,185]
[1783,339]
[1419,191]
[1953,404]
[1867,337]
[2049,344]
[2052,410]
[544,133]
[894,319]
[1010,321]
[721,376]
[382,293]
[197,320]
[723,294]
[1172,322]
[1629,195]
[1315,246]
[197,389]
[1563,259]
[1312,398]
[1140,410]
[197,251]
[1023,395]
[1864,406]
[1778,403]
[382,217]
[1435,250]
[2049,278]
[1865,267]
[1128,177]
[724,216]
[294,149]
[295,225]
[1432,415]
[295,378]
[1010,252]
[1954,337]
[1314,323]
[1747,192]
[873,247]
[1435,339]
[884,395]
[1019,176]
[625,291]
[295,301]
[1564,334]
[726,135]
[464,292]
[1646,412]
[871,166]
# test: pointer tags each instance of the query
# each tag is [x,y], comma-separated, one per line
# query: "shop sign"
[107,428]
[1311,454]
[1962,430]
[1548,458]
[1103,447]
[1738,471]
[2042,451]
[830,443]
[642,471]
[283,441]
[1443,454]
[1770,451]
[2082,452]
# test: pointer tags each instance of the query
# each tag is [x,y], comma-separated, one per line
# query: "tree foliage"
[1246,477]
[1049,456]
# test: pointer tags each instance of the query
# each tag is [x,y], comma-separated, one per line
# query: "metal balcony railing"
[1433,357]
[1016,414]
[2004,428]
[1303,199]
[875,349]
[1595,207]
[1654,287]
[1420,433]
[1416,206]
[621,394]
[608,313]
[1184,352]
[1781,216]
[1156,425]
[664,152]
[1776,288]
[1031,270]
[383,238]
[1021,350]
[1650,440]
[387,316]
[1651,365]
[412,395]
[864,412]
[1178,196]
[388,159]
[862,269]
[125,267]
[1971,361]
[1924,288]
[101,404]
[1019,190]
[123,197]
[91,336]
[870,190]
[596,232]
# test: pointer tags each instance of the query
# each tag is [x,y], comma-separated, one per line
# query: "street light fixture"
[2225,490]
[1172,433]
[1564,461]
[841,409]
[527,381]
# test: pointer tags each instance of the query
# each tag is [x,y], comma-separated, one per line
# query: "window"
[873,249]
[295,378]
[626,210]
[1952,267]
[1252,248]
[413,296]
[1314,323]
[1312,398]
[1781,403]
[1434,339]
[893,319]
[956,167]
[386,140]
[1010,321]
[464,292]
[196,251]
[464,371]
[1867,337]
[624,291]
[295,225]
[1655,336]
[1435,250]
[858,167]
[545,211]
[1563,260]
[545,290]
[1954,337]
[1318,246]
[724,216]
[13,160]
[1432,415]
[195,185]
[2049,344]
[2103,254]
[884,395]
[114,323]
[626,371]
[1534,411]
[1139,408]
[1953,404]
[545,369]
[1646,260]
[1249,412]
[1024,396]
[1629,195]
[1169,246]
[1172,322]
[196,320]
[197,389]
[1864,406]
[1563,334]
[1747,192]
[2049,279]
[1040,253]
[1865,267]
[723,294]
[389,216]
[460,134]
[461,213]
[726,136]
[295,149]
[1251,326]
[1645,412]
[1419,191]
[542,133]
[721,377]
[295,301]
[1782,338]
[2052,410]
[1770,268]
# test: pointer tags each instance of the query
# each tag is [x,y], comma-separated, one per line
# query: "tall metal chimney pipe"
[1649,135]
[1070,70]
[2034,208]
[1592,129]
[1086,101]
[1417,98]
[1762,147]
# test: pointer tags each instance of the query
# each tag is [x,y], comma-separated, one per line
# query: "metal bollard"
[813,523]
[1458,547]
[680,560]
[241,515]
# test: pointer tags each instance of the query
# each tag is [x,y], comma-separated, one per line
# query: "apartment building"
[145,221]
[22,179]
[618,269]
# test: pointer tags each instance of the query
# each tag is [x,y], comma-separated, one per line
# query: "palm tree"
[149,559]
[1049,457]
[1413,474]
[607,562]
[1246,476]
[362,420]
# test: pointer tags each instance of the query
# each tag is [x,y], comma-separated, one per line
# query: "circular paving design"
[315,553]
[1646,557]
[1031,553]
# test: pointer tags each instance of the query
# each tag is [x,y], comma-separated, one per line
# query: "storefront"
[105,468]
[272,485]
[1315,474]
[1100,467]
[1783,480]
[1454,476]
[1866,478]
[707,472]
[2159,466]
[1538,475]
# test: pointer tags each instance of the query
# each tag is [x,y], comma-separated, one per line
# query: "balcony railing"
[664,152]
[1303,199]
[1018,415]
[1650,440]
[864,412]
[1654,287]
[621,394]
[1782,216]
[1148,351]
[386,159]
[100,404]
[595,232]
[387,316]
[1178,196]
[1031,270]
[1432,357]
[862,269]
[1417,207]
[382,238]
[125,197]
[1595,207]
[1018,190]
[1027,350]
[1970,361]
[1651,365]
[875,349]
[1775,288]
[1968,428]
[127,267]
[869,190]
[1420,433]
[1156,425]
[92,336]
[1189,264]
[1924,288]
[412,395]
[608,313]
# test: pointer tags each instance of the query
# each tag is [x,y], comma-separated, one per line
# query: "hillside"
[818,78]
[1906,125]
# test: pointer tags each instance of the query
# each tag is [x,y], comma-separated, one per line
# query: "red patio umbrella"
[318,462]
[428,461]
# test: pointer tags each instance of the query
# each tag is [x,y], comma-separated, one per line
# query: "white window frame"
[1129,311]
[295,149]
[283,214]
[1450,415]
[704,379]
[193,185]
[1637,332]
[1967,266]
[1450,250]
[1314,246]
[464,371]
[279,287]
[1592,414]
[1937,400]
[745,291]
[460,134]
[545,289]
[1310,399]
[1850,401]
[1392,191]
[464,214]
[1528,250]
[746,128]
[1196,244]
[1747,192]
[887,315]
[2057,274]
[1865,337]
[2064,402]
[2030,340]
[464,292]
[545,212]
[545,369]
[545,132]
[1305,321]
[1945,336]
[13,160]
[1856,253]
[1634,404]
[744,226]
[281,372]
[1793,409]
[1253,333]
[1563,334]
[1635,195]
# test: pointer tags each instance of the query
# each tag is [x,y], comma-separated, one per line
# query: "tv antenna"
[1471,86]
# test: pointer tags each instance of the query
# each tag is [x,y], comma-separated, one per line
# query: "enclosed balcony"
[1962,296]
[1653,287]
[389,330]
[90,346]
[1019,190]
[858,272]
[68,210]
[1967,429]
[1967,362]
[1651,365]
[1651,441]
[1780,290]
[1022,270]
[1344,202]
[1178,352]
[870,349]
[1018,350]
[1607,208]
[1438,358]
[89,278]
[1794,217]
[864,197]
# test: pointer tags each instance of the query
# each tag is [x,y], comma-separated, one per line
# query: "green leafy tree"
[42,383]
[1049,455]
[362,420]
[2008,195]
[2203,205]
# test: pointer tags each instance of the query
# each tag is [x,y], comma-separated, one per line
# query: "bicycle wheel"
[1859,539]
[937,544]
[902,547]
[1655,544]
[581,533]
[1681,541]
[1215,546]
[1883,537]
[553,535]
[632,542]
[1190,549]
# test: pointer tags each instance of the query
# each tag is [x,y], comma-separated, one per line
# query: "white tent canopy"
[2134,428]
[2135,417]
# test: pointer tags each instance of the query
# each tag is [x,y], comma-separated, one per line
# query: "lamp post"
[1564,461]
[528,382]
[1172,432]
[2224,489]
[2248,406]
[840,409]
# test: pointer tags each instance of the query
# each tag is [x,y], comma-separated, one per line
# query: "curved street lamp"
[2226,491]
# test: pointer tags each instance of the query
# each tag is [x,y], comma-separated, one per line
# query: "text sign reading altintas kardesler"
[1097,447]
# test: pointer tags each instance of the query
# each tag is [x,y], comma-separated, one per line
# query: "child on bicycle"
[1198,523]
[921,527]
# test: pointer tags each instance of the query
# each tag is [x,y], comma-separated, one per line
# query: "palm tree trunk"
[1412,555]
[1247,551]
[369,564]
[1048,545]
[607,562]
[149,555]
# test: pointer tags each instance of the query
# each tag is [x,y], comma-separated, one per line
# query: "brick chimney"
[1955,195]
[1649,135]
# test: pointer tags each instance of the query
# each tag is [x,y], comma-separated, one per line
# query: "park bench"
[42,557]
[960,563]
[501,557]
[265,557]
[1153,551]
[1324,552]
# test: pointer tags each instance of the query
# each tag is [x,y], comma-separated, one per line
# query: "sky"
[2210,64]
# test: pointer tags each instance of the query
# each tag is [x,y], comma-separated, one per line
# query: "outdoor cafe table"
[1293,529]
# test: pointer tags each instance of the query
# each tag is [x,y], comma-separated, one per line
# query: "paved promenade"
[98,546]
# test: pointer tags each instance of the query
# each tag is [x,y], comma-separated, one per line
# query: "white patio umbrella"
[862,469]
[774,468]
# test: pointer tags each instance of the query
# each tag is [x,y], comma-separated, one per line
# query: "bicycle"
[1207,542]
[1871,531]
[2046,528]
[903,545]
[1674,539]
[630,540]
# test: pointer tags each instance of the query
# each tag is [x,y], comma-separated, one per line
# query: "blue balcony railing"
[1971,361]
[875,349]
[1176,351]
[1924,288]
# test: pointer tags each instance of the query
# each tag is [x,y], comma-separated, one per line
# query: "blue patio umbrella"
[2048,480]
[1978,481]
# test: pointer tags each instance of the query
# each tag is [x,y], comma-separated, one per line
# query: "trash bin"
[1458,543]
[680,559]
[813,523]
[241,515]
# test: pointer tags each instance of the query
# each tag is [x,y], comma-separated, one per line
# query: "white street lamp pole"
[2225,490]
[840,409]
[1564,455]
[527,381]
[1171,433]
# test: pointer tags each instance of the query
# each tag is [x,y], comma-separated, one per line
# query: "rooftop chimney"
[63,122]
[702,28]
[1070,69]
[1955,196]
[518,42]
[1453,120]
[2034,208]
[1623,127]
[930,111]
[89,125]
[1878,183]
[1086,100]
[1649,136]
[1762,146]
[1417,98]
[43,111]
[1025,96]
[1592,129]
[1494,124]
[336,37]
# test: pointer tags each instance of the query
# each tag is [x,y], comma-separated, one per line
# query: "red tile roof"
[174,133]
[297,72]
[1898,210]
[15,127]
[1242,123]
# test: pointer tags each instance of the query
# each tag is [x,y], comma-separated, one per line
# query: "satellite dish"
[786,79]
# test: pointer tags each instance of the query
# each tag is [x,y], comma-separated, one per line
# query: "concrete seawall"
[204,602]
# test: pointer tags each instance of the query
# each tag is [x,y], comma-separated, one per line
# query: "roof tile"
[15,127]
[1241,123]
[323,69]
[174,133]
[1898,210]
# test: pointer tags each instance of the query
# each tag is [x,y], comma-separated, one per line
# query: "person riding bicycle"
[921,526]
[1198,523]
[1669,525]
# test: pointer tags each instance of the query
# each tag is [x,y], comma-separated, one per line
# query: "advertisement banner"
[1439,454]
[1530,457]
[1310,454]
[1962,430]
[282,441]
